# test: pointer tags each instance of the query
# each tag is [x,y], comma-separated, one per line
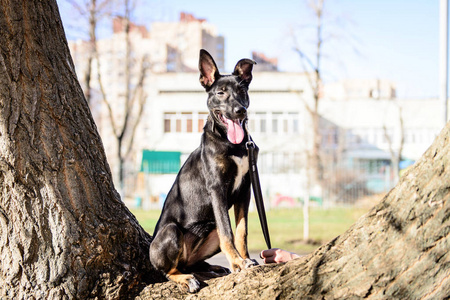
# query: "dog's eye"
[221,93]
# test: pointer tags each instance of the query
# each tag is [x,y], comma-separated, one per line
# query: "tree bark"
[65,234]
[399,250]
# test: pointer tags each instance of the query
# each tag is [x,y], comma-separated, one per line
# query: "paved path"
[221,260]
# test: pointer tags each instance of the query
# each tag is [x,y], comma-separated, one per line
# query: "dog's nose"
[240,111]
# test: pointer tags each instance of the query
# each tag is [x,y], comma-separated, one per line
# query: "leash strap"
[254,178]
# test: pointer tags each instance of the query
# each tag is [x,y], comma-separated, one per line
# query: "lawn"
[285,226]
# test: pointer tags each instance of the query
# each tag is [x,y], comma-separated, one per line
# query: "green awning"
[160,162]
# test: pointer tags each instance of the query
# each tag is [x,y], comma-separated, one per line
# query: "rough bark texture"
[399,250]
[64,231]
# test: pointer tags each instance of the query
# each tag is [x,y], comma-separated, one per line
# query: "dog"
[194,224]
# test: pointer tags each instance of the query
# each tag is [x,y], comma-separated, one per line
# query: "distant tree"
[314,76]
[91,11]
[315,83]
[312,55]
[396,150]
[124,111]
[132,108]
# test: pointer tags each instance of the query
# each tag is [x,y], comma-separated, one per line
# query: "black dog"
[194,224]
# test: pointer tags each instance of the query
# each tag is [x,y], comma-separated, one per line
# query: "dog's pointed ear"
[208,69]
[243,69]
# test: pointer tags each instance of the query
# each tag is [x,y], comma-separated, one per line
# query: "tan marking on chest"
[242,169]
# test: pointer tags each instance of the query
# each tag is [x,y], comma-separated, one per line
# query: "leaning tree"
[64,230]
[65,234]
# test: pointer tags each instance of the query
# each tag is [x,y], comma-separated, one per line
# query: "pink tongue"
[235,132]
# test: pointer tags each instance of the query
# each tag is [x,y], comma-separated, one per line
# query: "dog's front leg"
[225,232]
[241,217]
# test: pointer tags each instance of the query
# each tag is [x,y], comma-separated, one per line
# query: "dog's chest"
[242,169]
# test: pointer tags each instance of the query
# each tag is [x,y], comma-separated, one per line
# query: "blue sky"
[396,40]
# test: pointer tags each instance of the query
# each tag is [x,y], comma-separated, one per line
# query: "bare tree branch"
[105,98]
[81,9]
[138,93]
[396,157]
[92,11]
[127,107]
[305,57]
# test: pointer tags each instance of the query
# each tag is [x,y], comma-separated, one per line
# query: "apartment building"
[176,44]
[358,134]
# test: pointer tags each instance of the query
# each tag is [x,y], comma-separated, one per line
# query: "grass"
[285,226]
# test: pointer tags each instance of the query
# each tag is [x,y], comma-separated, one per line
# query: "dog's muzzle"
[234,128]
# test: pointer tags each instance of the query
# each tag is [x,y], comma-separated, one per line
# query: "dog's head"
[227,94]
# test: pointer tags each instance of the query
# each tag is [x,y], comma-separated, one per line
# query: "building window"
[178,126]
[277,122]
[184,122]
[261,119]
[187,120]
[169,119]
[166,125]
[293,121]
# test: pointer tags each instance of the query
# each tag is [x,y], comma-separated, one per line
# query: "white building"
[353,130]
[176,113]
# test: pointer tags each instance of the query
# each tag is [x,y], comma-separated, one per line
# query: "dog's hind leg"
[166,251]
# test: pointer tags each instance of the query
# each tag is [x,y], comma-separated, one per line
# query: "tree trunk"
[399,250]
[65,233]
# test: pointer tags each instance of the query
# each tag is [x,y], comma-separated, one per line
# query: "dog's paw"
[192,284]
[243,264]
[248,263]
[235,267]
[187,283]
